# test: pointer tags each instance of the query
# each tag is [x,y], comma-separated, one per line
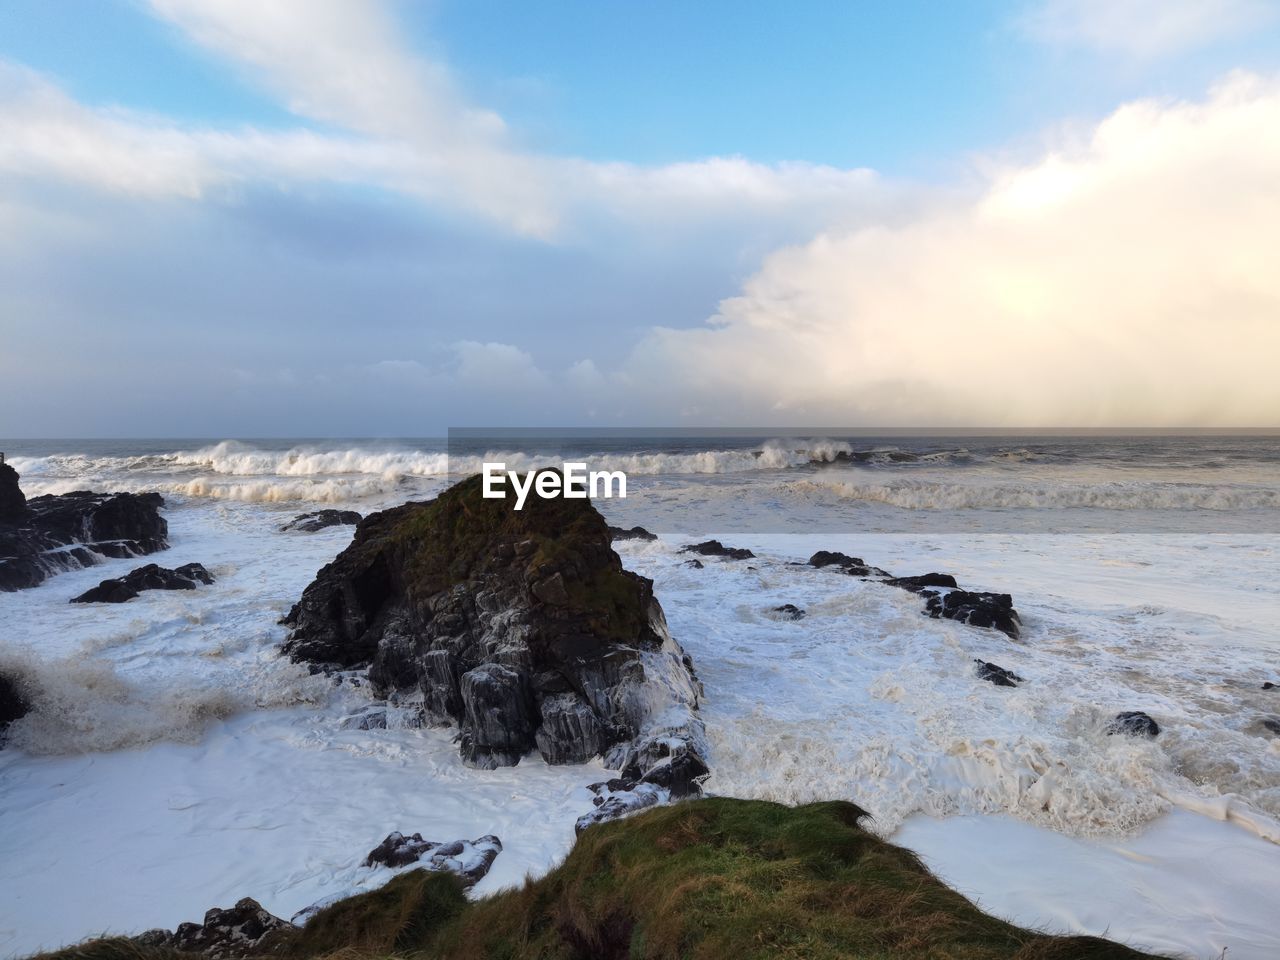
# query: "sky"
[335,218]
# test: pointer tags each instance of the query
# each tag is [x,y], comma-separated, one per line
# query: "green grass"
[703,880]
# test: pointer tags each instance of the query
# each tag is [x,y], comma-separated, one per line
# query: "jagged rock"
[976,609]
[469,859]
[854,566]
[714,548]
[693,564]
[1133,723]
[520,626]
[150,577]
[923,582]
[996,674]
[225,934]
[73,530]
[13,502]
[320,519]
[635,533]
[14,704]
[789,611]
[370,719]
[620,798]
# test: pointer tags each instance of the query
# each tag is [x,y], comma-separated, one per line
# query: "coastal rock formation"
[150,577]
[225,934]
[521,627]
[976,609]
[469,859]
[320,519]
[714,548]
[854,566]
[789,611]
[46,535]
[1133,723]
[635,533]
[997,674]
[924,581]
[13,702]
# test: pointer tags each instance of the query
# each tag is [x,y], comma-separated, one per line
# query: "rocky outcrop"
[14,704]
[1133,723]
[714,548]
[924,581]
[225,934]
[635,533]
[521,627]
[73,530]
[854,566]
[993,610]
[996,674]
[469,859]
[150,577]
[321,519]
[789,611]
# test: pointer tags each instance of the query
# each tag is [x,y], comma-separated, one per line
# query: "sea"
[175,762]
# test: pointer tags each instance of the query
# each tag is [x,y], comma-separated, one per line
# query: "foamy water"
[173,746]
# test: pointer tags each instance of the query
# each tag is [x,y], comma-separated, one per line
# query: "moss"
[701,880]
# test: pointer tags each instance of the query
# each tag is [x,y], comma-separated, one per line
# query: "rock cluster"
[997,674]
[1133,723]
[469,859]
[854,566]
[320,519]
[635,533]
[714,548]
[46,535]
[521,627]
[224,934]
[150,577]
[965,606]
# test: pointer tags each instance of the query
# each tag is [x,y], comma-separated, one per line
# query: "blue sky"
[384,218]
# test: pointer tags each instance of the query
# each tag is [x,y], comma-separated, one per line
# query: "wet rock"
[854,566]
[469,859]
[498,726]
[150,577]
[693,564]
[615,799]
[923,582]
[13,502]
[993,610]
[789,611]
[14,703]
[1133,723]
[996,674]
[714,548]
[372,719]
[1272,724]
[73,530]
[225,934]
[635,533]
[570,731]
[1268,685]
[320,519]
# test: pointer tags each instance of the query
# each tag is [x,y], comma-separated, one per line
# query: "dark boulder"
[854,566]
[789,611]
[996,674]
[635,533]
[13,502]
[1133,723]
[469,859]
[521,627]
[1271,724]
[693,564]
[320,519]
[73,530]
[150,577]
[14,704]
[977,609]
[1268,685]
[923,582]
[714,548]
[224,935]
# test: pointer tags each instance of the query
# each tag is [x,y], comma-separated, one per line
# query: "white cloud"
[1142,28]
[1128,280]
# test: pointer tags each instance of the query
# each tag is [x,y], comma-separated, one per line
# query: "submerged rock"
[854,566]
[1271,724]
[789,611]
[225,934]
[693,564]
[1268,685]
[521,627]
[923,582]
[977,609]
[1133,723]
[469,859]
[47,535]
[714,548]
[320,519]
[997,674]
[635,533]
[14,704]
[150,577]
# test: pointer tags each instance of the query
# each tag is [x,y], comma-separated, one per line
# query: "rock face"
[320,519]
[1133,723]
[714,548]
[635,533]
[996,674]
[521,627]
[469,859]
[854,566]
[150,577]
[13,702]
[55,533]
[237,932]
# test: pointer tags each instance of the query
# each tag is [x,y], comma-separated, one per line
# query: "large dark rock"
[13,701]
[1133,723]
[13,502]
[224,935]
[976,609]
[997,674]
[521,627]
[714,548]
[923,582]
[854,566]
[320,519]
[74,530]
[635,533]
[150,577]
[469,859]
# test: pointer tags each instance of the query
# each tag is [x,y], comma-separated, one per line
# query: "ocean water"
[175,762]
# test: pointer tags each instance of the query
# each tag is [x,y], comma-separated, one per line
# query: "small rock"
[714,548]
[1268,685]
[1133,723]
[469,859]
[150,577]
[923,582]
[854,566]
[693,564]
[976,609]
[320,519]
[996,674]
[789,611]
[1272,724]
[635,533]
